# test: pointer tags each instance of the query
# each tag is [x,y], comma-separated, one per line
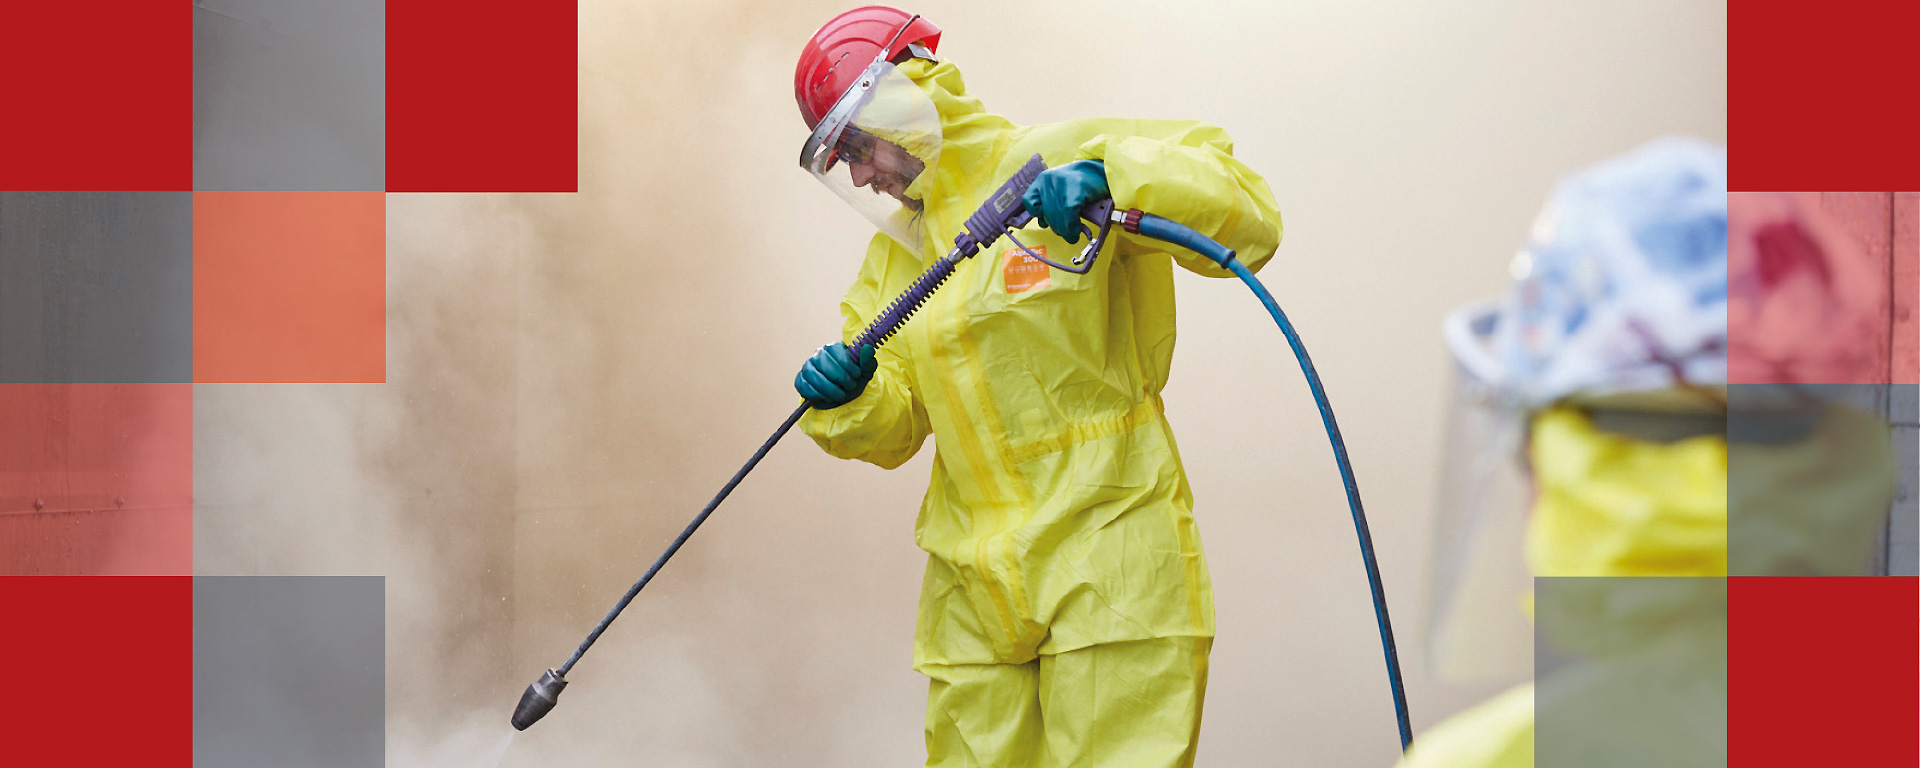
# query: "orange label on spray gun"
[1023,272]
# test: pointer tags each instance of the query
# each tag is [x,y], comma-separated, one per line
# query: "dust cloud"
[572,376]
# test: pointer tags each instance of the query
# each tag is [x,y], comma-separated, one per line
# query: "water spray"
[1002,213]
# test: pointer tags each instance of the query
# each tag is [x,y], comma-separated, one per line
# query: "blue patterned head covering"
[1622,286]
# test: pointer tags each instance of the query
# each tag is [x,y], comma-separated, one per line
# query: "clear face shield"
[1478,584]
[877,149]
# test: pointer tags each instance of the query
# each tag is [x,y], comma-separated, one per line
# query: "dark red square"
[98,96]
[482,96]
[1823,670]
[99,670]
[1816,96]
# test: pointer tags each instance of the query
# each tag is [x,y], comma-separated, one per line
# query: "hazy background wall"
[571,376]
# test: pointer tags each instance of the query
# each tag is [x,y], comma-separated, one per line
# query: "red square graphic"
[1815,97]
[96,479]
[1823,670]
[1825,289]
[101,668]
[98,96]
[482,96]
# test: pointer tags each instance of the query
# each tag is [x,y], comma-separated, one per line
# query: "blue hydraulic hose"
[1170,231]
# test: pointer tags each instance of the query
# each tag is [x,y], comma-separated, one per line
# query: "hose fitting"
[1168,230]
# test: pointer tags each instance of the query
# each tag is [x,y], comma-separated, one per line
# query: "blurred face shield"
[1618,305]
[1744,480]
[1478,583]
[876,149]
[1532,491]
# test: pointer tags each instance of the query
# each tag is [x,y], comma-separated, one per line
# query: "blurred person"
[1066,613]
[1595,397]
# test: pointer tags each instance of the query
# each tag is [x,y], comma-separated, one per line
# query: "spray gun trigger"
[1099,212]
[1094,241]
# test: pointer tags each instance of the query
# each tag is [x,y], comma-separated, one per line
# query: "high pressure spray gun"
[1001,214]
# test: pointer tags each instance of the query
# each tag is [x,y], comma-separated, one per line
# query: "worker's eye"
[855,150]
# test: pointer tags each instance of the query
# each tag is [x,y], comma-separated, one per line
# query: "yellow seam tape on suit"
[1080,433]
[969,442]
[1021,609]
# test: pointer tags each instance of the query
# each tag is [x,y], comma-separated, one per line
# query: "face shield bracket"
[827,133]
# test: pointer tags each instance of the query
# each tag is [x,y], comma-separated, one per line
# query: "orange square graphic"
[289,287]
[1023,272]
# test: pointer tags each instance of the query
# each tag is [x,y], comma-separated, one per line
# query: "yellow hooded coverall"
[1066,614]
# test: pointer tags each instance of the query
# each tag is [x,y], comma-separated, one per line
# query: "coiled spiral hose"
[909,301]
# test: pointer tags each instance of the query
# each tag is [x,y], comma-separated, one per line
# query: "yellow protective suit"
[1058,517]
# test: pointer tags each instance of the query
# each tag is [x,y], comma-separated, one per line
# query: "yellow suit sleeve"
[887,423]
[1193,178]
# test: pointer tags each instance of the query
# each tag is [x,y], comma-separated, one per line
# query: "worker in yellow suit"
[1606,369]
[1066,614]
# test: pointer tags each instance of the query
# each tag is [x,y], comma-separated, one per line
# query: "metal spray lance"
[1001,213]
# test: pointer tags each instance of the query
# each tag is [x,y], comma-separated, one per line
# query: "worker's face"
[874,149]
[881,166]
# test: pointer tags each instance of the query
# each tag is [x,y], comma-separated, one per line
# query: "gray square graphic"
[1630,671]
[96,287]
[1820,479]
[289,95]
[289,671]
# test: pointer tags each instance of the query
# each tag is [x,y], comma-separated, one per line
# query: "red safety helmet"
[843,48]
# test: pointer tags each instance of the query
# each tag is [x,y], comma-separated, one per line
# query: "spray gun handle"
[1003,210]
[1098,212]
[1001,213]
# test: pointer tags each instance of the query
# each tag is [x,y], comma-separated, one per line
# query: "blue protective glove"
[1057,196]
[831,378]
